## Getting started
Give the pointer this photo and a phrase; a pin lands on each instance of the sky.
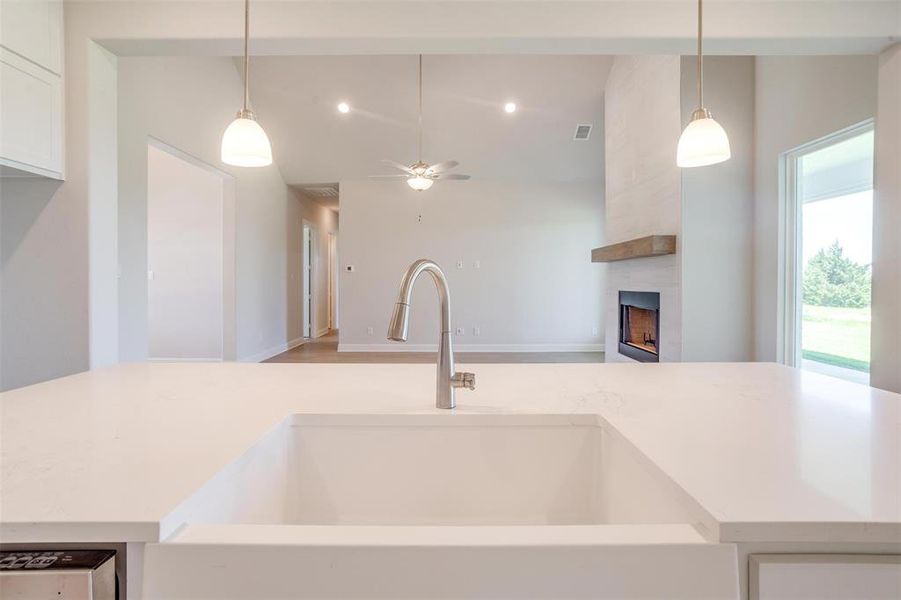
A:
(846, 218)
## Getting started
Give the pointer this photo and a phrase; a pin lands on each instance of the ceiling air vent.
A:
(582, 132)
(324, 191)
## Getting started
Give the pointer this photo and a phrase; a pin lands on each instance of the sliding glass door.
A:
(829, 244)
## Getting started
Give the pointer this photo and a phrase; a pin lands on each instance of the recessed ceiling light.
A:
(510, 107)
(344, 107)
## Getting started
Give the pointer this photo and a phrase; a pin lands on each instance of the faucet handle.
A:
(464, 380)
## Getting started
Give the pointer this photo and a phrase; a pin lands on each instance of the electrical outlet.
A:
(461, 331)
(476, 264)
(369, 331)
(594, 331)
(476, 331)
(459, 264)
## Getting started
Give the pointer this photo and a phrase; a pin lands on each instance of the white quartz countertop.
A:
(770, 453)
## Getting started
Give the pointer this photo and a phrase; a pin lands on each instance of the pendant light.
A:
(244, 143)
(704, 141)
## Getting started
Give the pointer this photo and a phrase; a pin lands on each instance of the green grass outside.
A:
(836, 336)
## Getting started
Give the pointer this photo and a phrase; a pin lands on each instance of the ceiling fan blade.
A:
(442, 166)
(456, 176)
(397, 165)
(389, 176)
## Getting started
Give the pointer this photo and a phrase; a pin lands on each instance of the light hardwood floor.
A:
(325, 350)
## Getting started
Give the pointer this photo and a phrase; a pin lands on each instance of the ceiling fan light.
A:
(420, 183)
(703, 142)
(245, 144)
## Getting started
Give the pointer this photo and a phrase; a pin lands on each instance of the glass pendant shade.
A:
(419, 183)
(703, 142)
(245, 144)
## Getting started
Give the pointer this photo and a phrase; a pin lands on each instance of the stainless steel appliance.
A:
(58, 575)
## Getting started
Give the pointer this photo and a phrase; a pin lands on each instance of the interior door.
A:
(307, 282)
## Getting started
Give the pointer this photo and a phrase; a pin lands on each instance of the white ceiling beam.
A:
(285, 27)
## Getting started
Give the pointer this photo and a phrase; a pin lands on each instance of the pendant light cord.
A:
(419, 158)
(246, 56)
(700, 55)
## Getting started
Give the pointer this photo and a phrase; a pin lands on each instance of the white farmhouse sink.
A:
(453, 469)
(400, 506)
(461, 470)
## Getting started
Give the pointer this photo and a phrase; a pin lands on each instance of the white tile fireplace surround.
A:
(642, 126)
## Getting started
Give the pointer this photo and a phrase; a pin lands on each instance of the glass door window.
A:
(833, 197)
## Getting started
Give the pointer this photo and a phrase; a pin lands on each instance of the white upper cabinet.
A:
(33, 29)
(31, 88)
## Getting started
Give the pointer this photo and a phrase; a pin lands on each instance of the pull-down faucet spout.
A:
(398, 329)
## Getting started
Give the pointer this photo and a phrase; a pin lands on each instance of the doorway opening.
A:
(829, 246)
(190, 258)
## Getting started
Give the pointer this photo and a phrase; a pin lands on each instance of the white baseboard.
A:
(472, 347)
(270, 352)
(183, 360)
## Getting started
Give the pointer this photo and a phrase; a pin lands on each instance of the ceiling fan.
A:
(420, 175)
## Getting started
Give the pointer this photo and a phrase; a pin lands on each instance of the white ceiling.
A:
(295, 98)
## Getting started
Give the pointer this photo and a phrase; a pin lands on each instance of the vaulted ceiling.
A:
(296, 100)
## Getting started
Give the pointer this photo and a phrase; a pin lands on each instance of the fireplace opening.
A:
(639, 325)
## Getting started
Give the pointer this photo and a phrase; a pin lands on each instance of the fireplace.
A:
(639, 325)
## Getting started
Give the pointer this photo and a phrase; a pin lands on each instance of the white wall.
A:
(185, 254)
(43, 325)
(536, 288)
(797, 100)
(187, 103)
(885, 366)
(103, 290)
(642, 123)
(717, 218)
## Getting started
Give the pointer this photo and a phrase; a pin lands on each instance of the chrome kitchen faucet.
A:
(448, 379)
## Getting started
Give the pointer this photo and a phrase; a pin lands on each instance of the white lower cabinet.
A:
(825, 577)
(31, 108)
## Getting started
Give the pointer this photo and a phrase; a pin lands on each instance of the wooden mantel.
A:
(652, 245)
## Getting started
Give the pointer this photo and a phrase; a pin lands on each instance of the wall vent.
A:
(582, 132)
